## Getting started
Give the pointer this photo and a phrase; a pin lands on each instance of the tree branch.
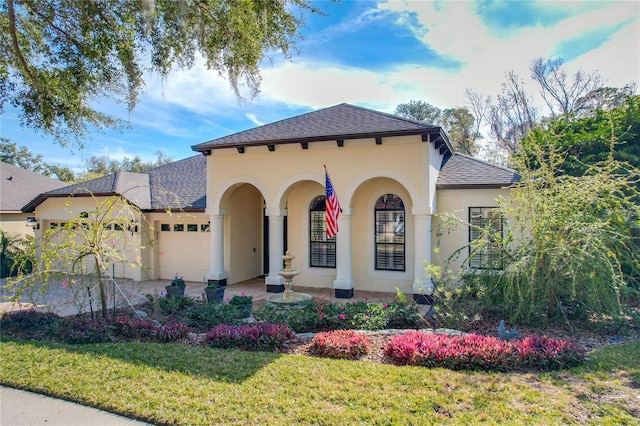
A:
(16, 45)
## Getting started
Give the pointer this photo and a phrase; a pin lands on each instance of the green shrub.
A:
(311, 316)
(30, 324)
(170, 305)
(302, 318)
(82, 330)
(207, 315)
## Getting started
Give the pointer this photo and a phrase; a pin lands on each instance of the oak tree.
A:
(62, 58)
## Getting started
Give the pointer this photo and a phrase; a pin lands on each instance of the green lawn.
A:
(174, 384)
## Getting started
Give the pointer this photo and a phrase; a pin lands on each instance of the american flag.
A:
(332, 207)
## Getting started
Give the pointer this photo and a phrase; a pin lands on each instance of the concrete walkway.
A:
(18, 408)
(65, 299)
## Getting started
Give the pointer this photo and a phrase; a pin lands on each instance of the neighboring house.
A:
(17, 187)
(264, 190)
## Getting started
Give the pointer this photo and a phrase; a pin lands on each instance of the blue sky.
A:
(373, 54)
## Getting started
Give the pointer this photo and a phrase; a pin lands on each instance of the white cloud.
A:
(254, 119)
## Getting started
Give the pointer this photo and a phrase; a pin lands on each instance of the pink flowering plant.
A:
(258, 336)
(241, 300)
(341, 344)
(178, 281)
(475, 352)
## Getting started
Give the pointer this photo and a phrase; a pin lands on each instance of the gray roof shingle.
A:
(178, 185)
(341, 121)
(19, 186)
(182, 183)
(461, 171)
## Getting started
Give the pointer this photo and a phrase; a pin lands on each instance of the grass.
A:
(174, 384)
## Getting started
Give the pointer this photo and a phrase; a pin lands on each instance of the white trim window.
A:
(322, 250)
(390, 233)
(484, 223)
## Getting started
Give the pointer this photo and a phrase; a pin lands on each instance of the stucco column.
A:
(217, 274)
(422, 286)
(343, 285)
(274, 282)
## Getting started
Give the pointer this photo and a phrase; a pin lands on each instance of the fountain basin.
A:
(288, 300)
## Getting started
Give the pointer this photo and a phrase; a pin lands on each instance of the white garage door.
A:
(183, 249)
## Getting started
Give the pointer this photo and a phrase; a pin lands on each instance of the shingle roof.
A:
(19, 186)
(186, 179)
(341, 121)
(181, 184)
(461, 171)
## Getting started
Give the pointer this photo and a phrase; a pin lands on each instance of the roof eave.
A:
(33, 204)
(475, 186)
(207, 147)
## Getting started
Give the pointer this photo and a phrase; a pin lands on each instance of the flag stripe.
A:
(332, 207)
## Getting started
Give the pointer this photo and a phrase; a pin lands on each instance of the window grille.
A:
(322, 250)
(390, 233)
(488, 255)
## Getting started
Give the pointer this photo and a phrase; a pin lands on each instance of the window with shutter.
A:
(488, 255)
(322, 250)
(390, 233)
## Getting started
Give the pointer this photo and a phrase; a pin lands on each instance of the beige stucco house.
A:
(251, 196)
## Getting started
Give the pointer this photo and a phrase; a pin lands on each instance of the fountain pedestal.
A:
(289, 298)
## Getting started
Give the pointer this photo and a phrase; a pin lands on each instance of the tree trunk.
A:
(103, 294)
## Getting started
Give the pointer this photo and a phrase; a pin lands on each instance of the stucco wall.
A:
(458, 202)
(15, 224)
(243, 230)
(60, 210)
(289, 178)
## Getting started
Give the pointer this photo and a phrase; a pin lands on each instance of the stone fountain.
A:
(289, 298)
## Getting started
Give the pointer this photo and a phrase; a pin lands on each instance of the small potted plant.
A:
(176, 288)
(244, 304)
(214, 293)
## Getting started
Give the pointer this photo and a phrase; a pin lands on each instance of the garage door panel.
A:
(185, 253)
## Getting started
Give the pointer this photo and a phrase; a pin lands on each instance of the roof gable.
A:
(341, 121)
(19, 186)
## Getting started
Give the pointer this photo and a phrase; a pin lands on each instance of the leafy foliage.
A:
(14, 254)
(169, 306)
(341, 344)
(312, 316)
(209, 315)
(83, 329)
(87, 243)
(459, 123)
(587, 141)
(259, 336)
(62, 56)
(570, 247)
(29, 323)
(151, 331)
(481, 352)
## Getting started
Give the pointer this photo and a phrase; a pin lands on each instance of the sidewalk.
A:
(18, 407)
